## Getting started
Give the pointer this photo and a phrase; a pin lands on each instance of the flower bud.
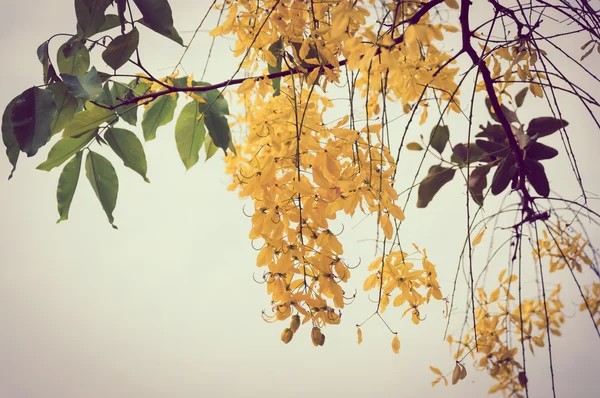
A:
(315, 335)
(295, 324)
(287, 335)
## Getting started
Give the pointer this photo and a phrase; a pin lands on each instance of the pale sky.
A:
(166, 306)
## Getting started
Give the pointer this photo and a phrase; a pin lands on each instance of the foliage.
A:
(303, 170)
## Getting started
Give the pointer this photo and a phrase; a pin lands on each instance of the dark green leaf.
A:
(139, 87)
(121, 48)
(121, 8)
(436, 178)
(75, 64)
(215, 103)
(103, 178)
(87, 86)
(218, 129)
(64, 149)
(88, 120)
(48, 69)
(66, 106)
(90, 16)
(67, 183)
(31, 118)
(492, 148)
(478, 182)
(543, 126)
(520, 97)
(493, 132)
(189, 134)
(129, 148)
(539, 151)
(209, 147)
(537, 177)
(503, 175)
(158, 17)
(159, 113)
(460, 154)
(9, 139)
(276, 49)
(111, 21)
(439, 138)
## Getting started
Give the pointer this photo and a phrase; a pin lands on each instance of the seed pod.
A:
(295, 323)
(315, 335)
(322, 340)
(287, 335)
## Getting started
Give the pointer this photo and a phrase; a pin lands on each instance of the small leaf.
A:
(67, 183)
(461, 153)
(396, 344)
(160, 112)
(87, 86)
(66, 106)
(520, 97)
(121, 48)
(477, 239)
(543, 126)
(129, 148)
(511, 116)
(503, 175)
(539, 151)
(158, 17)
(75, 64)
(493, 132)
(439, 138)
(414, 146)
(522, 379)
(88, 120)
(189, 134)
(47, 68)
(492, 148)
(537, 177)
(64, 149)
(31, 117)
(456, 374)
(436, 371)
(103, 179)
(9, 139)
(359, 335)
(436, 178)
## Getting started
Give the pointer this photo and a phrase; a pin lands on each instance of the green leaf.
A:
(537, 177)
(75, 64)
(414, 146)
(111, 21)
(129, 148)
(160, 112)
(439, 138)
(64, 149)
(539, 151)
(218, 129)
(209, 147)
(520, 97)
(87, 86)
(215, 102)
(31, 118)
(120, 93)
(66, 106)
(158, 17)
(436, 178)
(478, 182)
(90, 16)
(121, 48)
(543, 126)
(9, 139)
(503, 175)
(103, 179)
(88, 120)
(189, 134)
(48, 69)
(276, 49)
(67, 183)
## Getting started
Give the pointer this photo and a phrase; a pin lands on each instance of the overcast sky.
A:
(167, 307)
